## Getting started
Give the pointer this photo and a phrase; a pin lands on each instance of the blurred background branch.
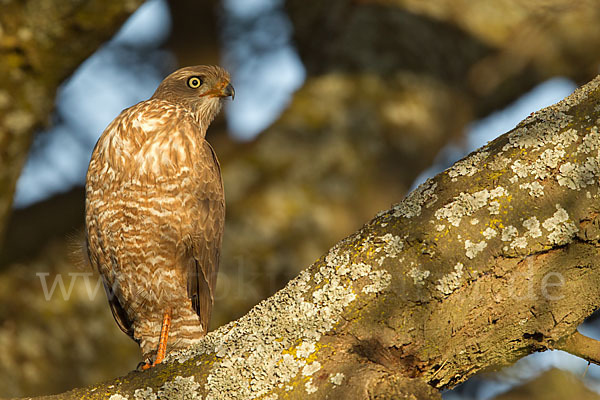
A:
(41, 44)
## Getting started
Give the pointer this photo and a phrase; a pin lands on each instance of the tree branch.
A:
(581, 346)
(491, 260)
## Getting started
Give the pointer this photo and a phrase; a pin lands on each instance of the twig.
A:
(581, 346)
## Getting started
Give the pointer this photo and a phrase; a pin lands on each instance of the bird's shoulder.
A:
(154, 140)
(151, 116)
(148, 133)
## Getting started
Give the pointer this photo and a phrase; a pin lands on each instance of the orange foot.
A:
(162, 344)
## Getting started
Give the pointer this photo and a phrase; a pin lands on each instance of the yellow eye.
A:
(194, 82)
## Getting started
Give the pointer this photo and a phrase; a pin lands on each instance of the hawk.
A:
(155, 211)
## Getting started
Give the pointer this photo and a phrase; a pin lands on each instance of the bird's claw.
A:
(144, 365)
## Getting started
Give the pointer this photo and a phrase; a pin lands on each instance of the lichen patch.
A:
(529, 135)
(393, 244)
(145, 394)
(535, 189)
(533, 227)
(472, 249)
(180, 388)
(590, 142)
(337, 379)
(494, 208)
(411, 206)
(499, 162)
(468, 166)
(560, 227)
(380, 279)
(418, 275)
(542, 167)
(519, 169)
(466, 204)
(509, 233)
(305, 349)
(450, 282)
(489, 233)
(578, 176)
(520, 242)
(310, 387)
(356, 271)
(311, 368)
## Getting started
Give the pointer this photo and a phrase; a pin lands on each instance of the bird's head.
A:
(200, 89)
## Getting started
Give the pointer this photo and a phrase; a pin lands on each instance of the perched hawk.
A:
(155, 211)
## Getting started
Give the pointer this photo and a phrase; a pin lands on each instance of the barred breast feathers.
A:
(154, 139)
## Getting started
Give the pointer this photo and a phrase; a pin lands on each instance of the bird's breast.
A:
(164, 155)
(150, 140)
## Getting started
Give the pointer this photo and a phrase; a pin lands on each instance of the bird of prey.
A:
(155, 211)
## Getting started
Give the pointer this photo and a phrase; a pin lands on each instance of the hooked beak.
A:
(223, 90)
(228, 91)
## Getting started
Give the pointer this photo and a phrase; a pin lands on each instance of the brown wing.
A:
(117, 310)
(203, 263)
(91, 233)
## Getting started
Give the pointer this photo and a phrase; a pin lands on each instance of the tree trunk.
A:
(41, 44)
(489, 261)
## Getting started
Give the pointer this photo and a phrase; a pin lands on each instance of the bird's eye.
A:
(194, 82)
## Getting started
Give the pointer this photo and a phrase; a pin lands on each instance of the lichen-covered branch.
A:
(491, 260)
(41, 43)
(389, 84)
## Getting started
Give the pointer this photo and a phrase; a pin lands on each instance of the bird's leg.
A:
(164, 335)
(162, 343)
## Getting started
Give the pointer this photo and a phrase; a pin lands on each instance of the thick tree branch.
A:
(389, 84)
(491, 260)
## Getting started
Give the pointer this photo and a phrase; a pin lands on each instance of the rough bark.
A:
(41, 44)
(491, 260)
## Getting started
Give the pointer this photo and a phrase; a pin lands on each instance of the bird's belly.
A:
(139, 231)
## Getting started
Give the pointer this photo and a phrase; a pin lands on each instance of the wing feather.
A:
(118, 311)
(203, 263)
